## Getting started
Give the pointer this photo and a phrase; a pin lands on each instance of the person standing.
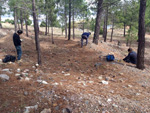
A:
(85, 36)
(17, 44)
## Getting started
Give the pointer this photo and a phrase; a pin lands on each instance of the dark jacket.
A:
(85, 35)
(16, 39)
(131, 58)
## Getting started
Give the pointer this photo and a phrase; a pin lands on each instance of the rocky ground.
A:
(71, 79)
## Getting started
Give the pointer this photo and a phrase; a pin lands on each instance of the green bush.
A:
(101, 31)
(29, 22)
(43, 24)
(9, 21)
(132, 35)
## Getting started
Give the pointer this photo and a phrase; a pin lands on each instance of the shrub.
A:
(43, 24)
(101, 31)
(9, 21)
(29, 22)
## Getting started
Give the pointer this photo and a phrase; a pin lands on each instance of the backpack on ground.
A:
(110, 58)
(9, 58)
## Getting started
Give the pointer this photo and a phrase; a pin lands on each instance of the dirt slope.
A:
(71, 79)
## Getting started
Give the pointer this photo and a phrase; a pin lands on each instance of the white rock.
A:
(114, 105)
(109, 100)
(17, 74)
(55, 83)
(68, 74)
(27, 79)
(33, 66)
(62, 72)
(4, 77)
(7, 70)
(25, 74)
(100, 77)
(9, 62)
(42, 81)
(137, 94)
(83, 82)
(36, 65)
(26, 70)
(46, 111)
(130, 86)
(29, 108)
(105, 111)
(104, 82)
(18, 70)
(91, 82)
(82, 74)
(36, 70)
(61, 83)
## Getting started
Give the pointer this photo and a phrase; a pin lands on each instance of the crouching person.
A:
(85, 36)
(132, 57)
(17, 44)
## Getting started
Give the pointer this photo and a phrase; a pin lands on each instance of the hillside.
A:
(71, 78)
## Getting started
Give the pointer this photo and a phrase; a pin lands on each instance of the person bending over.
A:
(85, 36)
(132, 57)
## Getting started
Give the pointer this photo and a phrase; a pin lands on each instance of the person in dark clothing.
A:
(17, 43)
(132, 57)
(85, 36)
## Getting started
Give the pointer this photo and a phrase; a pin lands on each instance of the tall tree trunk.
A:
(83, 26)
(21, 20)
(69, 29)
(18, 23)
(26, 26)
(106, 20)
(65, 20)
(104, 26)
(112, 28)
(0, 22)
(141, 35)
(127, 43)
(18, 19)
(0, 18)
(73, 23)
(52, 35)
(36, 33)
(15, 19)
(37, 18)
(46, 24)
(124, 34)
(97, 25)
(124, 23)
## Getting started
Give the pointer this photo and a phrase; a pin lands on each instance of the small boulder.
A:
(42, 81)
(104, 82)
(46, 111)
(68, 74)
(18, 70)
(30, 108)
(6, 70)
(4, 77)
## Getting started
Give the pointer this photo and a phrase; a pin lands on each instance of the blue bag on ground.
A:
(110, 58)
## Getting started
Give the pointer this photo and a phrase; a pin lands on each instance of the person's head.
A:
(19, 32)
(130, 50)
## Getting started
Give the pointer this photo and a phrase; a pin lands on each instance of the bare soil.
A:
(75, 78)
